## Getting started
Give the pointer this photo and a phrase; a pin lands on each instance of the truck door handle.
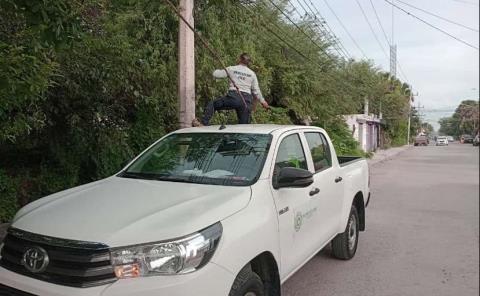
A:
(314, 191)
(338, 179)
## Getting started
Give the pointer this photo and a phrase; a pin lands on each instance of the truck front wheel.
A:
(344, 245)
(247, 283)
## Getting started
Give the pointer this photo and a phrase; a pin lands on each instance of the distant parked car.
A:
(421, 141)
(476, 140)
(441, 141)
(466, 139)
(450, 139)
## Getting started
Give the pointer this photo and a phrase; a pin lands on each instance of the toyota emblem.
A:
(35, 259)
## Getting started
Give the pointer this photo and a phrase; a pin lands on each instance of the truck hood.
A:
(120, 211)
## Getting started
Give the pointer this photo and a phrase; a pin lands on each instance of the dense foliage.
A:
(465, 120)
(85, 85)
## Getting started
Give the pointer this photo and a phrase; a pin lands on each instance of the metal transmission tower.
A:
(393, 60)
(393, 48)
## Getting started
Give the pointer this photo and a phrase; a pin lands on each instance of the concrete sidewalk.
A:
(387, 154)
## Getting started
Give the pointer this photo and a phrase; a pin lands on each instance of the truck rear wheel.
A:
(344, 245)
(247, 283)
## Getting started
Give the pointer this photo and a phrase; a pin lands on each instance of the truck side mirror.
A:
(293, 177)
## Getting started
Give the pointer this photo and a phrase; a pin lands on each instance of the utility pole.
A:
(186, 65)
(408, 125)
(410, 115)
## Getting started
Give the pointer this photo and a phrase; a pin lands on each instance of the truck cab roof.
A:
(245, 128)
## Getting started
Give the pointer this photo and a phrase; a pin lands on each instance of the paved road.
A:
(422, 233)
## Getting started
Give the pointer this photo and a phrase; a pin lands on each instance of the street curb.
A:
(386, 155)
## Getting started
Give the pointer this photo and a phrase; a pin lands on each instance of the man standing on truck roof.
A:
(246, 81)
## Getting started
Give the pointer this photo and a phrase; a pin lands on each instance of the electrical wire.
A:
(345, 29)
(324, 24)
(207, 45)
(256, 15)
(342, 51)
(323, 30)
(269, 29)
(296, 25)
(371, 29)
(387, 39)
(432, 26)
(403, 73)
(438, 16)
(380, 23)
(332, 33)
(288, 43)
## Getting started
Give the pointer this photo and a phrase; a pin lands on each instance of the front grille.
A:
(9, 291)
(71, 263)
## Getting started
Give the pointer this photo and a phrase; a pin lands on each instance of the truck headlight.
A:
(165, 258)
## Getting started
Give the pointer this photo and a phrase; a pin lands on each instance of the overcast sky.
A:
(442, 70)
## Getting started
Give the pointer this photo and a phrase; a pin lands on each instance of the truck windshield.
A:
(231, 159)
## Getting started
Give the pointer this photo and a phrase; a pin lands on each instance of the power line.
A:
(393, 24)
(380, 23)
(371, 29)
(342, 51)
(346, 30)
(438, 16)
(335, 43)
(324, 22)
(207, 46)
(403, 73)
(255, 13)
(296, 26)
(430, 25)
(278, 36)
(378, 41)
(326, 32)
(387, 39)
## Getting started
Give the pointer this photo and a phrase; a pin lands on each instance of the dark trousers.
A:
(231, 101)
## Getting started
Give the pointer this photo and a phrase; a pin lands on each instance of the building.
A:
(366, 129)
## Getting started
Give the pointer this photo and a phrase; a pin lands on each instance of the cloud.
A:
(441, 69)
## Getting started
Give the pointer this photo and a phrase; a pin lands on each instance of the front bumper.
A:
(211, 280)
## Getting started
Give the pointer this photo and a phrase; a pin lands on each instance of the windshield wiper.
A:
(134, 175)
(172, 179)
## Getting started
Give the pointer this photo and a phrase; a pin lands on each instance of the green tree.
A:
(465, 120)
(86, 85)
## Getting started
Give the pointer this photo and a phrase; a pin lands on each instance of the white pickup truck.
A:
(204, 211)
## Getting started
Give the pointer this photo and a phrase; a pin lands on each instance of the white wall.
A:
(356, 122)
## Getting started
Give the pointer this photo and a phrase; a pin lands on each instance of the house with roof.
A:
(367, 129)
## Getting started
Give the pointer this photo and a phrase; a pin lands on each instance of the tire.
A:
(247, 283)
(344, 245)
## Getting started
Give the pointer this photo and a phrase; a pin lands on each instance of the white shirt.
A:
(244, 78)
